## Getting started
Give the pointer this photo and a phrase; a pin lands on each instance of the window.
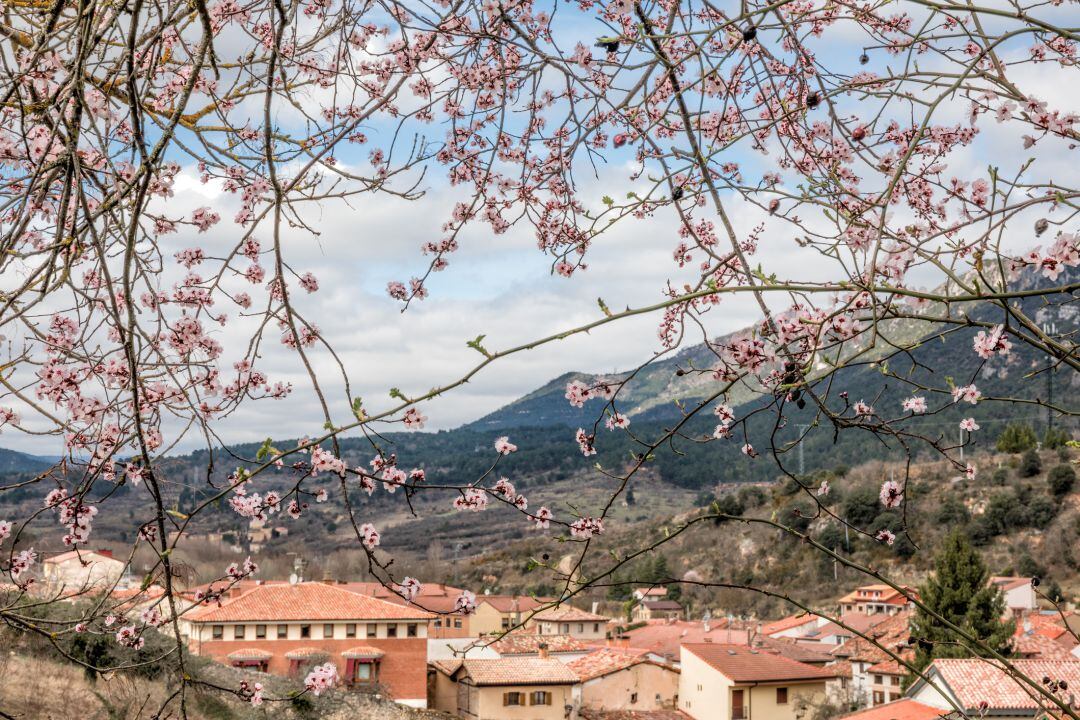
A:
(372, 630)
(565, 628)
(512, 698)
(893, 697)
(260, 632)
(238, 631)
(540, 697)
(410, 630)
(894, 680)
(438, 622)
(457, 622)
(781, 696)
(506, 623)
(391, 630)
(633, 698)
(282, 632)
(877, 680)
(580, 628)
(328, 630)
(738, 712)
(879, 697)
(596, 627)
(350, 630)
(305, 631)
(217, 632)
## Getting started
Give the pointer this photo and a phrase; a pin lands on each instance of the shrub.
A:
(1054, 439)
(1030, 464)
(1000, 477)
(1041, 511)
(952, 511)
(861, 506)
(1016, 437)
(1061, 480)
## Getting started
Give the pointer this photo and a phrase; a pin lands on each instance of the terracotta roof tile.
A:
(514, 603)
(305, 601)
(608, 660)
(517, 671)
(250, 654)
(1007, 582)
(591, 714)
(363, 651)
(787, 623)
(905, 709)
(973, 681)
(742, 664)
(661, 604)
(892, 633)
(527, 643)
(567, 613)
(1034, 646)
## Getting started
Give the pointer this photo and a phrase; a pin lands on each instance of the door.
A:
(738, 712)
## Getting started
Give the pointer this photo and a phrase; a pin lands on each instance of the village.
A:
(517, 656)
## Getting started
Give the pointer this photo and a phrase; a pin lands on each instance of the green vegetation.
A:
(958, 592)
(1016, 438)
(1061, 480)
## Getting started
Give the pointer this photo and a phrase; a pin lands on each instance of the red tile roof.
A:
(250, 654)
(1006, 582)
(892, 633)
(362, 651)
(516, 671)
(527, 643)
(513, 603)
(1040, 647)
(661, 604)
(304, 601)
(792, 621)
(83, 556)
(566, 613)
(605, 661)
(906, 709)
(591, 714)
(884, 594)
(973, 681)
(742, 664)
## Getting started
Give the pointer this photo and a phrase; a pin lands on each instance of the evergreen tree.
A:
(959, 591)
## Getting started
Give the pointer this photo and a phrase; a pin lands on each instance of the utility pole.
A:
(802, 441)
(1049, 328)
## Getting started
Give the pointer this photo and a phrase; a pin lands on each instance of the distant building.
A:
(982, 688)
(799, 625)
(649, 593)
(1019, 593)
(285, 628)
(499, 613)
(81, 572)
(871, 675)
(736, 682)
(526, 644)
(568, 620)
(624, 679)
(503, 689)
(438, 599)
(872, 599)
(903, 709)
(646, 610)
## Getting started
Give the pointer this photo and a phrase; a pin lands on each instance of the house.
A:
(502, 689)
(720, 681)
(873, 676)
(499, 613)
(649, 593)
(81, 571)
(846, 627)
(624, 679)
(1019, 594)
(903, 709)
(983, 688)
(798, 625)
(567, 620)
(871, 599)
(662, 640)
(283, 628)
(646, 610)
(436, 598)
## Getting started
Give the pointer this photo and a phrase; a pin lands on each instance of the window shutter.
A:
(547, 698)
(506, 699)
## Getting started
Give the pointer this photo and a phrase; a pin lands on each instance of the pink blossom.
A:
(465, 603)
(321, 678)
(891, 494)
(414, 420)
(969, 424)
(915, 405)
(987, 344)
(369, 536)
(885, 536)
(542, 518)
(409, 588)
(503, 446)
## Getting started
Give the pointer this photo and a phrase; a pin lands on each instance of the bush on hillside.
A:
(1030, 464)
(1054, 439)
(1061, 480)
(1000, 476)
(1016, 438)
(861, 506)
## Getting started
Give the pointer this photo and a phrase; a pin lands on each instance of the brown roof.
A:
(880, 594)
(305, 601)
(1033, 646)
(448, 666)
(1007, 582)
(787, 623)
(892, 633)
(906, 709)
(567, 613)
(605, 661)
(742, 664)
(514, 603)
(974, 680)
(434, 597)
(526, 643)
(661, 604)
(516, 671)
(84, 556)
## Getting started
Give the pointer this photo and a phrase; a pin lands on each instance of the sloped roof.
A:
(885, 594)
(605, 661)
(513, 603)
(1009, 582)
(1040, 647)
(661, 604)
(905, 709)
(83, 556)
(742, 664)
(250, 654)
(787, 623)
(516, 671)
(305, 601)
(527, 643)
(567, 613)
(891, 633)
(974, 681)
(363, 651)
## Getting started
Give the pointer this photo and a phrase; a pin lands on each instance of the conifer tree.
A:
(959, 591)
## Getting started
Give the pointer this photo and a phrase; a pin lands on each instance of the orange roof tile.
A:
(526, 643)
(880, 593)
(363, 651)
(250, 654)
(1007, 582)
(905, 709)
(974, 681)
(517, 671)
(605, 661)
(742, 664)
(1033, 646)
(567, 613)
(787, 623)
(305, 601)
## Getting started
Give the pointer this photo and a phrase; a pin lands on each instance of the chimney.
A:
(542, 648)
(106, 553)
(327, 578)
